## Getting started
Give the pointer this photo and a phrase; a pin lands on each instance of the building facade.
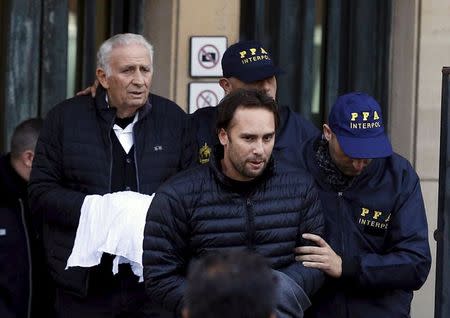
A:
(394, 50)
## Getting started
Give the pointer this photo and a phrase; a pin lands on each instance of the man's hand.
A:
(321, 256)
(90, 89)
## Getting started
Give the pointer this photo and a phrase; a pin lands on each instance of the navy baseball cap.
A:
(248, 61)
(356, 120)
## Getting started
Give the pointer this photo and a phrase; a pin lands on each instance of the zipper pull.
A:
(340, 194)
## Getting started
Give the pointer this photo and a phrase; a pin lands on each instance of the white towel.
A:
(112, 223)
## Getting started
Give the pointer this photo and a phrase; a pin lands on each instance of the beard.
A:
(251, 167)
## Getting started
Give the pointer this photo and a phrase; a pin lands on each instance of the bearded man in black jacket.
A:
(242, 200)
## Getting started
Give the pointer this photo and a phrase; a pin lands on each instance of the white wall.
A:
(433, 52)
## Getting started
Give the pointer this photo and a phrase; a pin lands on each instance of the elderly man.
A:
(374, 214)
(248, 64)
(241, 200)
(124, 139)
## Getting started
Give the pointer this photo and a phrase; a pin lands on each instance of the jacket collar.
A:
(12, 186)
(309, 157)
(108, 113)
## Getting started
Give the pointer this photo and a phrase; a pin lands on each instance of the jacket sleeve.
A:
(49, 199)
(309, 279)
(165, 251)
(406, 261)
(194, 129)
(189, 151)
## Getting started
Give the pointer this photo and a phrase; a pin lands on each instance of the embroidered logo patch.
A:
(374, 222)
(204, 153)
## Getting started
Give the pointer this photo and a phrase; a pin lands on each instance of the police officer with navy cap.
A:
(248, 64)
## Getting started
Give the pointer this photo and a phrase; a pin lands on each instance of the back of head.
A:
(246, 98)
(248, 61)
(230, 285)
(117, 40)
(25, 136)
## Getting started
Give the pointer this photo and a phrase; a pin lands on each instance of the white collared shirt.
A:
(125, 135)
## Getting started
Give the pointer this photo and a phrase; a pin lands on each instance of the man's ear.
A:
(327, 133)
(223, 137)
(185, 313)
(226, 85)
(101, 77)
(27, 158)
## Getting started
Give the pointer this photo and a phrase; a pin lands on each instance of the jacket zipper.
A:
(135, 160)
(250, 224)
(344, 309)
(341, 226)
(30, 268)
(110, 153)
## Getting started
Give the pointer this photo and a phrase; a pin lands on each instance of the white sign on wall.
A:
(203, 94)
(206, 54)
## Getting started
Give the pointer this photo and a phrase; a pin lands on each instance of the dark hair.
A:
(230, 284)
(25, 136)
(246, 98)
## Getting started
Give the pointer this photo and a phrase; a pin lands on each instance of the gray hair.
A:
(121, 40)
(25, 136)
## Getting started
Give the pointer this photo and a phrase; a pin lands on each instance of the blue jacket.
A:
(202, 210)
(74, 159)
(292, 131)
(379, 228)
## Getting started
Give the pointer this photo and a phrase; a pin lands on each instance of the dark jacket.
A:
(379, 228)
(74, 158)
(25, 289)
(201, 210)
(292, 130)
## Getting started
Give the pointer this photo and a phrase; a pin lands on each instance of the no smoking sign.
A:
(204, 95)
(206, 54)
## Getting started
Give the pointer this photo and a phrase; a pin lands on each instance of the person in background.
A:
(124, 139)
(377, 252)
(248, 64)
(244, 200)
(25, 286)
(234, 284)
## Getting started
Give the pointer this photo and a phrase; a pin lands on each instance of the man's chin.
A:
(137, 102)
(353, 173)
(253, 173)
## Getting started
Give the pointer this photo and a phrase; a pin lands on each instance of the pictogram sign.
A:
(206, 54)
(204, 95)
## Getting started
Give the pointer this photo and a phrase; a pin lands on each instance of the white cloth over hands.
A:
(113, 223)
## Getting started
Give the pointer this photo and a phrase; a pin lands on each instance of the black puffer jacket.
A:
(201, 210)
(74, 158)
